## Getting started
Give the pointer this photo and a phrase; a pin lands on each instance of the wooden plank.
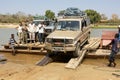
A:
(25, 51)
(74, 62)
(25, 46)
(94, 44)
(44, 61)
(116, 74)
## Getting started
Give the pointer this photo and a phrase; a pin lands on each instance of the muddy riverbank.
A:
(22, 67)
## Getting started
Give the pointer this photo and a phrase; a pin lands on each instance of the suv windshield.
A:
(49, 24)
(37, 22)
(69, 25)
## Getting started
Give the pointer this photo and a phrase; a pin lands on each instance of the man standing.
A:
(114, 50)
(31, 29)
(119, 37)
(41, 32)
(19, 33)
(25, 33)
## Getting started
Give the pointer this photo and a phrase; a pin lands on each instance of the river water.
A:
(5, 34)
(98, 32)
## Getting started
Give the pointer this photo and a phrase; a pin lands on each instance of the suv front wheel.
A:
(76, 53)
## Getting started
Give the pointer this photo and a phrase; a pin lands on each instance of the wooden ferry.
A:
(36, 48)
(90, 50)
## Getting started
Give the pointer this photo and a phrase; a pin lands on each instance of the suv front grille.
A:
(60, 42)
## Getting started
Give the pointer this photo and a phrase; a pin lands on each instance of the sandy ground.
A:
(7, 25)
(22, 67)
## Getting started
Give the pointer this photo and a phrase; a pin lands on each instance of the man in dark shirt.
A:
(114, 50)
(119, 37)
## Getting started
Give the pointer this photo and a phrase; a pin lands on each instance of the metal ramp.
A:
(44, 61)
(74, 62)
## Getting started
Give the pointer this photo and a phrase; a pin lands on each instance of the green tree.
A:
(49, 14)
(60, 13)
(93, 15)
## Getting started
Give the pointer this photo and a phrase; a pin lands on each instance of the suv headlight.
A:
(69, 41)
(49, 40)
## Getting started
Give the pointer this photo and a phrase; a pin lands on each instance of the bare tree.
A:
(114, 17)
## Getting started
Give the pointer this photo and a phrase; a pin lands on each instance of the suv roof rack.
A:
(74, 16)
(73, 13)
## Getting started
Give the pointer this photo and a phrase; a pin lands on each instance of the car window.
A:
(69, 25)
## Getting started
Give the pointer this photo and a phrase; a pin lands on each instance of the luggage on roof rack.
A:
(74, 12)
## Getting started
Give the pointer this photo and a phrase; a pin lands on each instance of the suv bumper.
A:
(60, 49)
(63, 49)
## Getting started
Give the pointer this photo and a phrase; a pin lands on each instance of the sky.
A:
(107, 7)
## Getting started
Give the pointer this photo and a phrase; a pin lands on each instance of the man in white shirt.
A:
(41, 31)
(31, 29)
(19, 33)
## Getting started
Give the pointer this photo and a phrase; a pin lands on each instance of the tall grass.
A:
(104, 26)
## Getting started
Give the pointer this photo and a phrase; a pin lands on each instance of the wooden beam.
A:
(74, 62)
